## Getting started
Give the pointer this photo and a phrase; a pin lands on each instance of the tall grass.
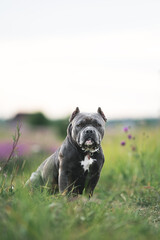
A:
(125, 205)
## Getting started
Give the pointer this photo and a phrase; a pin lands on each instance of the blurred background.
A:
(56, 55)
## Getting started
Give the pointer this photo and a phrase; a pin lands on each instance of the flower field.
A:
(126, 201)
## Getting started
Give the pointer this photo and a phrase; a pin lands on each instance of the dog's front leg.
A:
(66, 184)
(91, 185)
(63, 181)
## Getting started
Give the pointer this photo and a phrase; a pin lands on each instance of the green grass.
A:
(125, 205)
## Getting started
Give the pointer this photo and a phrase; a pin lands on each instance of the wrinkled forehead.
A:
(88, 117)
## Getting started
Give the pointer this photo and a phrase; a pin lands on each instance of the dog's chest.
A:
(87, 162)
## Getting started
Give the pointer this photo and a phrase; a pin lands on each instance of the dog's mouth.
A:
(89, 142)
(90, 145)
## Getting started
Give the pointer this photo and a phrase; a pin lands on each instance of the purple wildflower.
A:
(22, 149)
(6, 148)
(123, 143)
(125, 129)
(129, 136)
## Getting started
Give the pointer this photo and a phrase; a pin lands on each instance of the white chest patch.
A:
(87, 162)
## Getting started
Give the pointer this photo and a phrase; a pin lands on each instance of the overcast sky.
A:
(56, 55)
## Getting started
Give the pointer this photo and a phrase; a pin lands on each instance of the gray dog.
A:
(77, 164)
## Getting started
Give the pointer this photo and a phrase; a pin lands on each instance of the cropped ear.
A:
(102, 114)
(74, 114)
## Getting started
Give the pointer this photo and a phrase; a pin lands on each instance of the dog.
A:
(77, 164)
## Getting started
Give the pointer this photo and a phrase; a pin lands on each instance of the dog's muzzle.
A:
(89, 139)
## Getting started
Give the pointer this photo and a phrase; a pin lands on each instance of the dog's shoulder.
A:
(69, 151)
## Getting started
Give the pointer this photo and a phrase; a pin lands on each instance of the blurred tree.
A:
(38, 119)
(60, 125)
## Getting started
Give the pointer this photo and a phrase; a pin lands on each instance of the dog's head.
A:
(87, 129)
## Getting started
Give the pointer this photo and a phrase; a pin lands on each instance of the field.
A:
(125, 205)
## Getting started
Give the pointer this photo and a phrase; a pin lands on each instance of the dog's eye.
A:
(98, 124)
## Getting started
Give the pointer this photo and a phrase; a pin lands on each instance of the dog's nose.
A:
(90, 131)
